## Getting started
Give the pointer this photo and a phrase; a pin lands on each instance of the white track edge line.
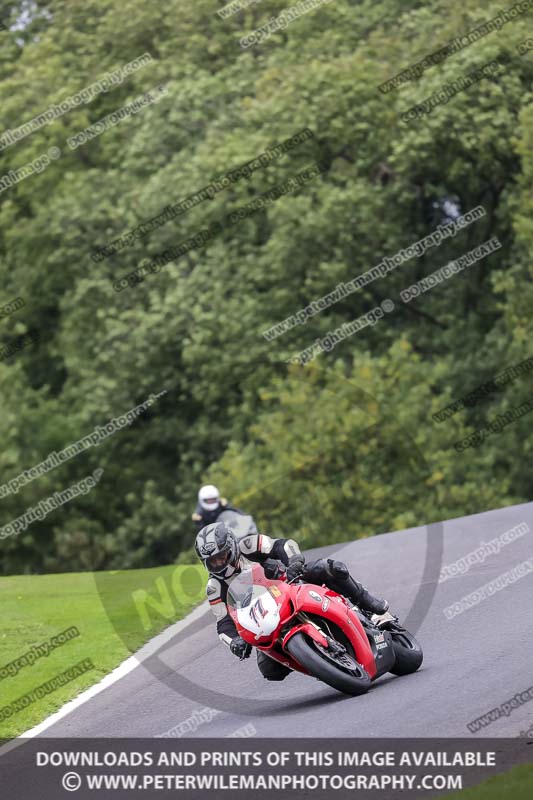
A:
(123, 669)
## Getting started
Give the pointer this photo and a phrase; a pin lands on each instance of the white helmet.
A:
(209, 497)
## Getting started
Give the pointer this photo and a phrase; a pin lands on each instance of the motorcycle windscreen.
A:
(255, 607)
(240, 524)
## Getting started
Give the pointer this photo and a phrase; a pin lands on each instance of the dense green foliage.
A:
(341, 448)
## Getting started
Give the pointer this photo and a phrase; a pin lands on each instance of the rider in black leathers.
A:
(224, 557)
(210, 505)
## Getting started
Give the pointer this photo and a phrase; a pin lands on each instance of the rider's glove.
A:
(273, 569)
(296, 567)
(240, 648)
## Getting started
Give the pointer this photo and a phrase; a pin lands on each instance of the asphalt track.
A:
(472, 663)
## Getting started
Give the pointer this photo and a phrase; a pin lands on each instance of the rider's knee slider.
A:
(338, 569)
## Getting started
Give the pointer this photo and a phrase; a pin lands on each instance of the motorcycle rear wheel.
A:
(305, 651)
(408, 652)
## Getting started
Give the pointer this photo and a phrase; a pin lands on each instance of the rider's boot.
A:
(362, 598)
(355, 591)
(380, 619)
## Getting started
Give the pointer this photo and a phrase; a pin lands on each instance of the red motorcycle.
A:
(313, 630)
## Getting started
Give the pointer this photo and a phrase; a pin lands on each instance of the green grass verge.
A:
(114, 612)
(516, 784)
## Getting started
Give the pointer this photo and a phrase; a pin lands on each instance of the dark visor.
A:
(219, 560)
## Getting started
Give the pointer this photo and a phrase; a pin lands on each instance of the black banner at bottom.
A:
(314, 769)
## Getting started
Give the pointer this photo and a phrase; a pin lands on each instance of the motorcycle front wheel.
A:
(340, 672)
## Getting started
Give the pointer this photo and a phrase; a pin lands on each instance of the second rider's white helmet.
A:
(209, 497)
